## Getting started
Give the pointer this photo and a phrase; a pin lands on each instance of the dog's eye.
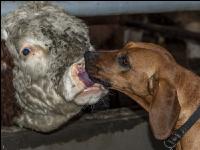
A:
(26, 51)
(123, 61)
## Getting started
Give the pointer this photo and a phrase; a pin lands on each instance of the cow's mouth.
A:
(83, 76)
(82, 80)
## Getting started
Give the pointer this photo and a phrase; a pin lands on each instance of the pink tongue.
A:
(83, 76)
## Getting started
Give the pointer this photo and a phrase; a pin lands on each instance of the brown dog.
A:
(150, 75)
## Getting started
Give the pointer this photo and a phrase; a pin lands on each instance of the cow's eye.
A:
(123, 61)
(26, 51)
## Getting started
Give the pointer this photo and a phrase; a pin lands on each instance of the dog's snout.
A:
(90, 61)
(90, 55)
(87, 54)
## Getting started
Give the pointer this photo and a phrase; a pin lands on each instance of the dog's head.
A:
(145, 72)
(47, 46)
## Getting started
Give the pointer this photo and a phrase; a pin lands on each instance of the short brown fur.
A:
(169, 92)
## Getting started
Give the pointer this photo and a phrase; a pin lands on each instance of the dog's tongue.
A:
(83, 76)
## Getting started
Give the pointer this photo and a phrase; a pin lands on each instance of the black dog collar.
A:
(175, 137)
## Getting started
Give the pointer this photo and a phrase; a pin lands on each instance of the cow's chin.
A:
(90, 95)
(79, 88)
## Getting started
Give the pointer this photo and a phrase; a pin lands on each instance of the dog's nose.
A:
(89, 55)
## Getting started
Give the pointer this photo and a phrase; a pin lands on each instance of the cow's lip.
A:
(95, 88)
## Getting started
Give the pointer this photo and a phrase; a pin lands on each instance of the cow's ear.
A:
(4, 34)
(5, 37)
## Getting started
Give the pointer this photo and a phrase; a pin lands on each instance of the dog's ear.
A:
(164, 110)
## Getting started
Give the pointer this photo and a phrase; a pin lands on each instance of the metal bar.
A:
(102, 8)
(88, 126)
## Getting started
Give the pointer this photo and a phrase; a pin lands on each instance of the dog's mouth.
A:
(105, 83)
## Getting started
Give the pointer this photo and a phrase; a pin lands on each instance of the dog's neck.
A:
(189, 99)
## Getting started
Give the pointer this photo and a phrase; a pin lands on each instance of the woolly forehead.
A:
(44, 25)
(32, 31)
